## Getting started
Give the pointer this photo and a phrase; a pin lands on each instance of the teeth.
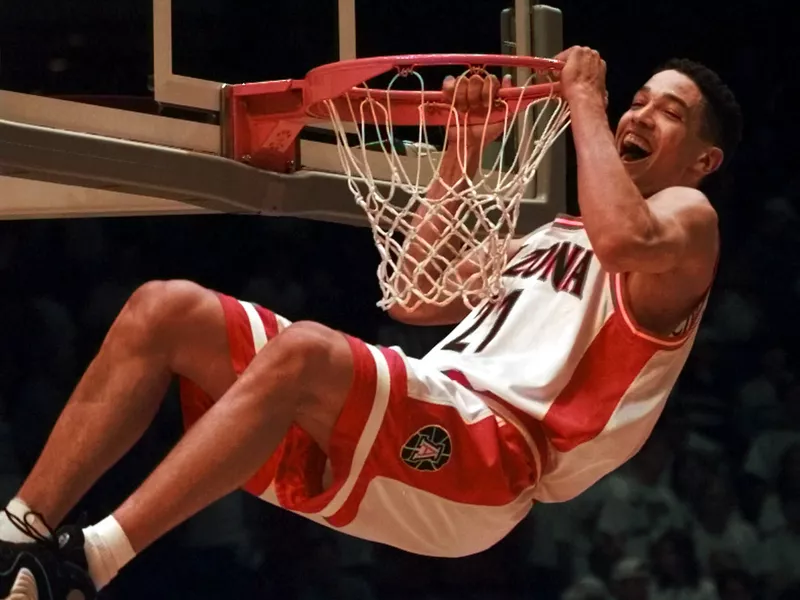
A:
(632, 138)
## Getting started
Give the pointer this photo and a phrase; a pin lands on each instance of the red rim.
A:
(337, 81)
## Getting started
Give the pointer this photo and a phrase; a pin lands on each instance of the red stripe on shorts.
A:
(489, 465)
(298, 482)
(195, 402)
(240, 334)
(261, 479)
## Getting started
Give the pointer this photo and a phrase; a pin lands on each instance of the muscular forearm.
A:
(612, 207)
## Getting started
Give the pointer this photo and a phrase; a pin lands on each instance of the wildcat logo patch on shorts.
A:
(428, 449)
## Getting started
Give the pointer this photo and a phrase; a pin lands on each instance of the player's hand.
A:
(584, 74)
(472, 97)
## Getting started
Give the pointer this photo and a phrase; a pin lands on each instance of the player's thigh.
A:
(219, 338)
(184, 325)
(202, 349)
(308, 369)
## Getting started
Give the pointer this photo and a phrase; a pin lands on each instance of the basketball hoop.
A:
(484, 222)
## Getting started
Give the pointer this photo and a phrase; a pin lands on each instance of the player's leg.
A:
(302, 376)
(304, 352)
(165, 328)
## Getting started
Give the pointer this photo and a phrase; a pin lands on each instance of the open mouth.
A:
(633, 149)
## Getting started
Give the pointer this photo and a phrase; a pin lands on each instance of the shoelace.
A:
(25, 525)
(50, 541)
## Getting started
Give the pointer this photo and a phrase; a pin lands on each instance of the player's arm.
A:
(456, 309)
(629, 233)
(474, 93)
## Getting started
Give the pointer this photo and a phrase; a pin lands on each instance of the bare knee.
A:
(312, 359)
(156, 309)
(316, 362)
(305, 349)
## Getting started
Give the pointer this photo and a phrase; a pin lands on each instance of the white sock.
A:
(107, 550)
(10, 532)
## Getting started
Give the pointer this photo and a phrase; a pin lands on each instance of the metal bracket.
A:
(260, 123)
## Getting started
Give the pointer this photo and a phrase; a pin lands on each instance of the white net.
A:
(442, 227)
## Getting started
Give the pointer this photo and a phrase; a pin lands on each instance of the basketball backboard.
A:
(164, 153)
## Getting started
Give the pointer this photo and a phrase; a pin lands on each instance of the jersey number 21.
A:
(476, 337)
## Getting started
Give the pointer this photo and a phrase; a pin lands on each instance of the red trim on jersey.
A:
(526, 238)
(568, 222)
(607, 369)
(621, 299)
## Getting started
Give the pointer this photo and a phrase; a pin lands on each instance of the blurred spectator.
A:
(763, 459)
(723, 539)
(702, 394)
(580, 521)
(630, 580)
(787, 485)
(676, 571)
(549, 547)
(640, 506)
(690, 471)
(776, 236)
(736, 312)
(735, 585)
(780, 557)
(588, 588)
(759, 398)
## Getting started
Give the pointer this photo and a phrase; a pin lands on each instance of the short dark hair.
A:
(722, 123)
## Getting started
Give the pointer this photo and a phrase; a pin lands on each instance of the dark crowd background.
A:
(709, 509)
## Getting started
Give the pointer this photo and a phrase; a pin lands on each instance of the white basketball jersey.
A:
(561, 351)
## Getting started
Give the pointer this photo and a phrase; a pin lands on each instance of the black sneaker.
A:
(48, 568)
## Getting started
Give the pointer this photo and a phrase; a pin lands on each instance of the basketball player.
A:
(532, 398)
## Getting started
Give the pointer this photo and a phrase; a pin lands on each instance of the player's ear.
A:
(709, 160)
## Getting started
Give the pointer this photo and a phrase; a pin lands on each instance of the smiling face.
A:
(660, 137)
